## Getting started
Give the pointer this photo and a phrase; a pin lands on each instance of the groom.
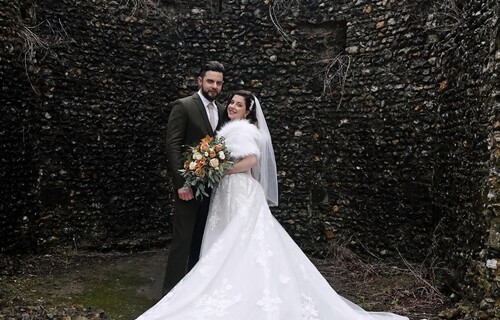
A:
(191, 119)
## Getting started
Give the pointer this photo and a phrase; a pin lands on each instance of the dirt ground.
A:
(82, 285)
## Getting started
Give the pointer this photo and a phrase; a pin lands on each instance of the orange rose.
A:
(199, 172)
(218, 147)
(202, 162)
(204, 147)
(212, 154)
(206, 140)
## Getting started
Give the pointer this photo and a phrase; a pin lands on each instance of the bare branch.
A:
(32, 42)
(420, 278)
(447, 16)
(336, 74)
(274, 20)
(279, 8)
(149, 7)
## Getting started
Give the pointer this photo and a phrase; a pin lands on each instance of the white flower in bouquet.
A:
(192, 165)
(214, 163)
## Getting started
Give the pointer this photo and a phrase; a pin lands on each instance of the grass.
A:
(121, 286)
(116, 294)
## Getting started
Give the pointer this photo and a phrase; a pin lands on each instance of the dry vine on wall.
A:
(338, 68)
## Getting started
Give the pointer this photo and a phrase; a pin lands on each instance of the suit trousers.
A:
(188, 227)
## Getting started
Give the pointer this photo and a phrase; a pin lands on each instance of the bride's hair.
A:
(249, 104)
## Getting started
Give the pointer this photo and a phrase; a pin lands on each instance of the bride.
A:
(249, 267)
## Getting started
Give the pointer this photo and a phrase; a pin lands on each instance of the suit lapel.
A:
(220, 108)
(203, 113)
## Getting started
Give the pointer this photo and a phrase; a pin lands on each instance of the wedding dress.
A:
(250, 268)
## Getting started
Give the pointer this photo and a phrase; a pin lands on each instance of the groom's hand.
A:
(185, 194)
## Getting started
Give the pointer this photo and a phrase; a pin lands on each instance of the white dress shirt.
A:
(205, 103)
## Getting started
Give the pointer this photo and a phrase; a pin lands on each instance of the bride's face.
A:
(237, 110)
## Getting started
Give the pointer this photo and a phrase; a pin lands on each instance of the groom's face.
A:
(211, 84)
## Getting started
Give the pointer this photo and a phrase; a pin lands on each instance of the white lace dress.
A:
(250, 268)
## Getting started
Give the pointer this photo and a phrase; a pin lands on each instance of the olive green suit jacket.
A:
(187, 125)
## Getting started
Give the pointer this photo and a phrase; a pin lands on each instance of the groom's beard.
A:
(207, 95)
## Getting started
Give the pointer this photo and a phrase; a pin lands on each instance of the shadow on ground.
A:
(121, 286)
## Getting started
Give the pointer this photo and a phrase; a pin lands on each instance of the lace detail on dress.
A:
(212, 222)
(309, 311)
(269, 304)
(217, 303)
(304, 272)
(284, 279)
(205, 267)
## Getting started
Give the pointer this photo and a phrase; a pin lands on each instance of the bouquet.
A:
(205, 164)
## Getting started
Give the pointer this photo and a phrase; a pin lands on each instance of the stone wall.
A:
(382, 114)
(465, 54)
(376, 143)
(98, 112)
(18, 173)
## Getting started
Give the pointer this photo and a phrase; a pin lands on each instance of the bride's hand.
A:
(242, 165)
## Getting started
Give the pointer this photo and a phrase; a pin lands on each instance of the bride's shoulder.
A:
(239, 126)
(242, 138)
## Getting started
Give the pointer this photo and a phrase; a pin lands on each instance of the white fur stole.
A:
(242, 138)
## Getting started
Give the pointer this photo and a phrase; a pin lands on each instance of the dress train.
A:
(251, 269)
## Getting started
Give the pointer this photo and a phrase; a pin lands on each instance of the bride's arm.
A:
(243, 165)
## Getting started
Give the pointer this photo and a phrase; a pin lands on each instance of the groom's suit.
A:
(187, 125)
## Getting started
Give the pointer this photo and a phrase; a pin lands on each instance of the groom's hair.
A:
(212, 66)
